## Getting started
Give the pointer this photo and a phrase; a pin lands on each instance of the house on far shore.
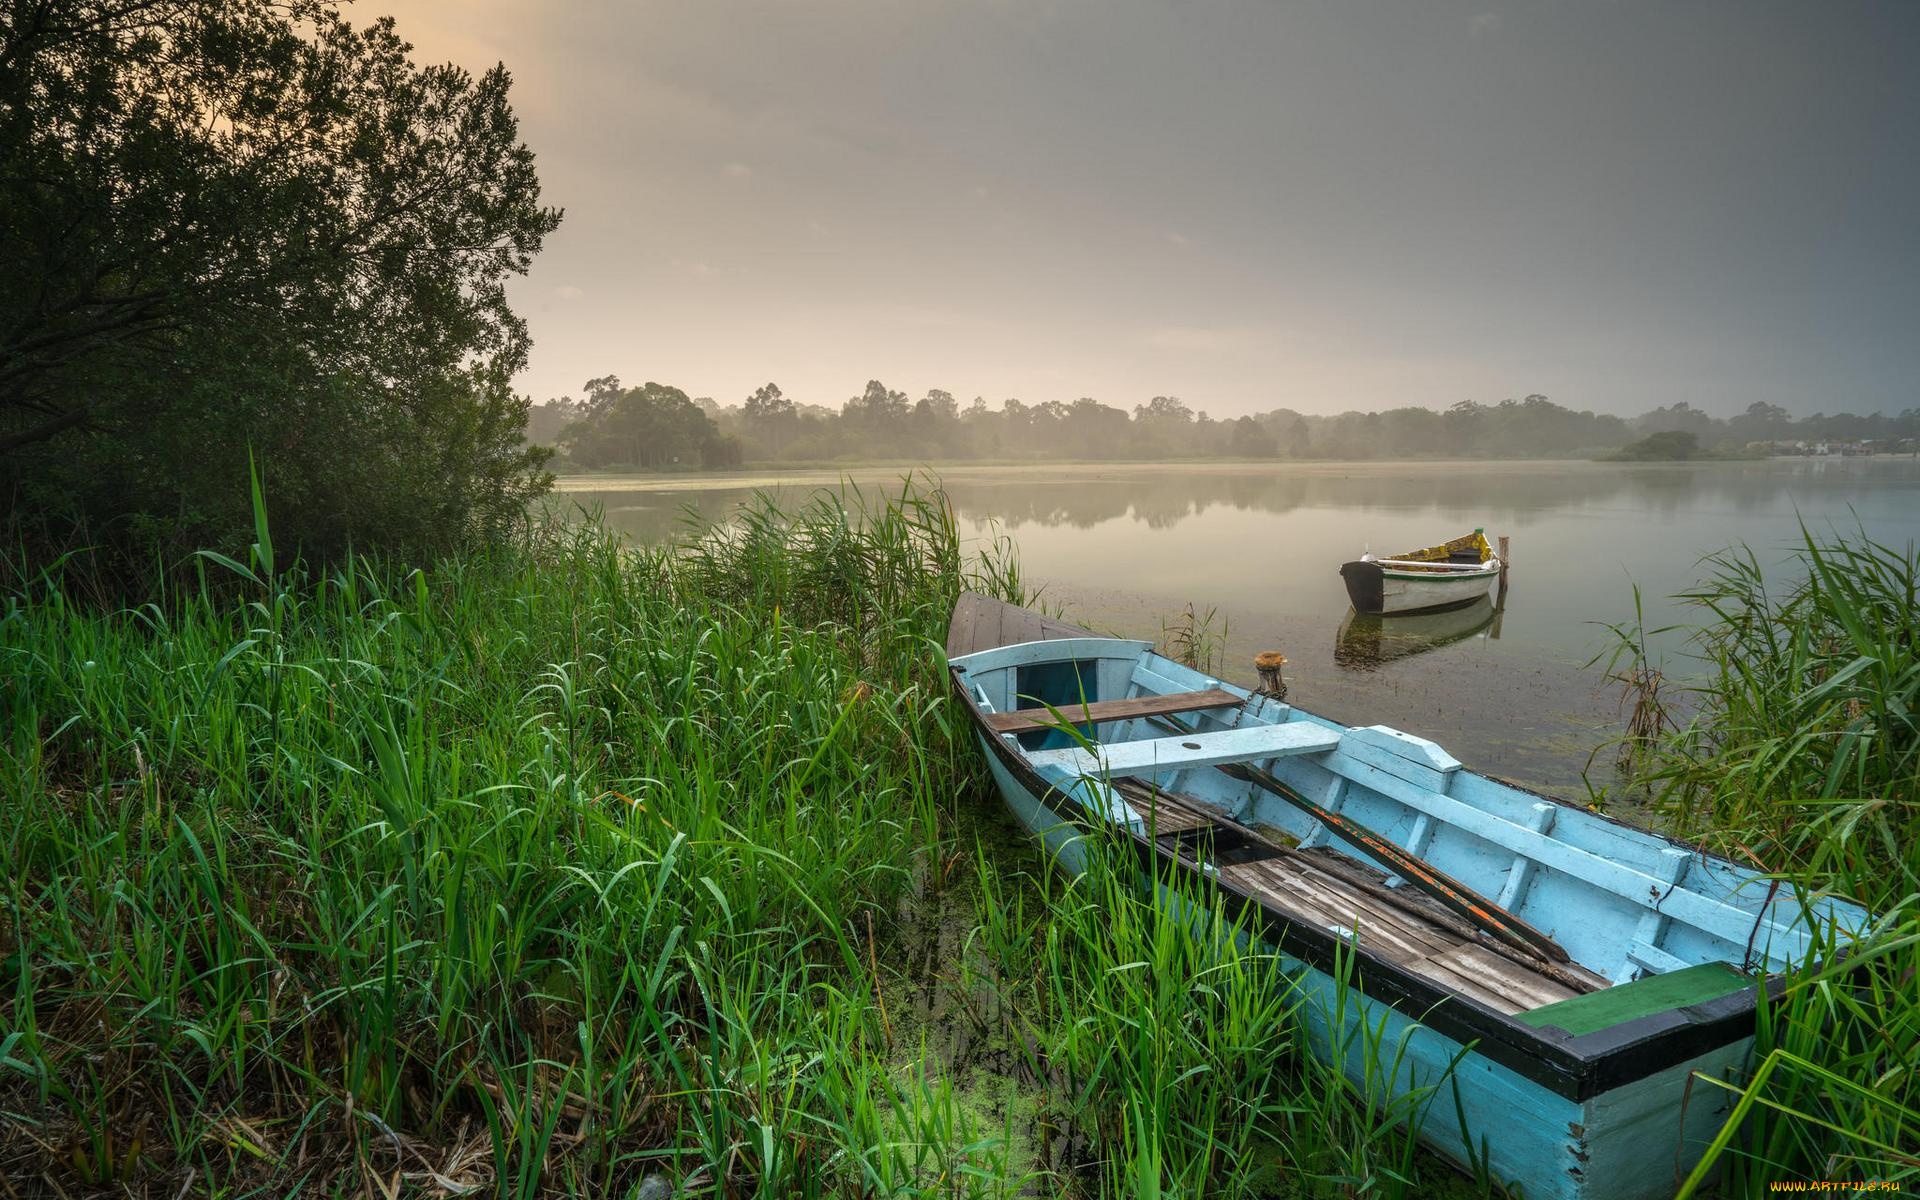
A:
(1864, 448)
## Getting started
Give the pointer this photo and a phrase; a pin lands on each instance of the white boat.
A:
(1450, 575)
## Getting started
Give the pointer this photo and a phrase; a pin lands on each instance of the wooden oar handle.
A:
(1484, 913)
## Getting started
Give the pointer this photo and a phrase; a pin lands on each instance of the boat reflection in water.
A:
(1368, 640)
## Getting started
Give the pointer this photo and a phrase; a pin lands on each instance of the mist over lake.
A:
(1124, 548)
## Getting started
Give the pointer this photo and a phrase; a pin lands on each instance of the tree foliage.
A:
(244, 223)
(880, 423)
(652, 427)
(1669, 445)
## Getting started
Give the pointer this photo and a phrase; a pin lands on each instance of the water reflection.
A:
(1163, 498)
(1368, 641)
(1501, 492)
(1123, 548)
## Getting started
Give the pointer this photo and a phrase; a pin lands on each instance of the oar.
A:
(1483, 913)
(1457, 897)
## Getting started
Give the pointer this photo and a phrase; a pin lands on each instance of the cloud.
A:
(1200, 339)
(1401, 197)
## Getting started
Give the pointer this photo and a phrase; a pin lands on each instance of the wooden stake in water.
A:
(1268, 663)
(1505, 562)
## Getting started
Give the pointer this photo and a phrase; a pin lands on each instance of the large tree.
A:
(651, 427)
(245, 223)
(770, 416)
(878, 409)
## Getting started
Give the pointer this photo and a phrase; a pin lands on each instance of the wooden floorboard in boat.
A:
(983, 623)
(1165, 812)
(1294, 885)
(1310, 888)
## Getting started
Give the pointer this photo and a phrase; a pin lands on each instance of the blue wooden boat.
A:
(1571, 970)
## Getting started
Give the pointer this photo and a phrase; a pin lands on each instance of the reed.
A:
(1643, 699)
(578, 870)
(537, 873)
(1802, 755)
(1194, 638)
(1175, 1053)
(584, 869)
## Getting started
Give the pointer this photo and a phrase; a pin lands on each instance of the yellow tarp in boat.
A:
(1467, 548)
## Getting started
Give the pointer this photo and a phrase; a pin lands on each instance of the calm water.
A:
(1125, 548)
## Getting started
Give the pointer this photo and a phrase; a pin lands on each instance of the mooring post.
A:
(1504, 564)
(1268, 663)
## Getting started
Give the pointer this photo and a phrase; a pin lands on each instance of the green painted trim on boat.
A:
(1642, 998)
(1435, 575)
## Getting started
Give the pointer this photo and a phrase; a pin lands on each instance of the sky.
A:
(1249, 205)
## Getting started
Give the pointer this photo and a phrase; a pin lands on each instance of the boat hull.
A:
(1625, 1142)
(1569, 1100)
(1384, 591)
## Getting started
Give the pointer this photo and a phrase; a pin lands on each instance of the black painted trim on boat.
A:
(1366, 585)
(1577, 1068)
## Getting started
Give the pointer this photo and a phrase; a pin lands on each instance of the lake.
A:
(1124, 548)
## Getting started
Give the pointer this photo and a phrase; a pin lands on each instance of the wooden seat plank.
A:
(1112, 710)
(1255, 743)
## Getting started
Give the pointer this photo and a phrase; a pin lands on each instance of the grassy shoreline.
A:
(1799, 749)
(546, 871)
(583, 868)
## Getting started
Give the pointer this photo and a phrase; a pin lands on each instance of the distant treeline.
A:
(657, 426)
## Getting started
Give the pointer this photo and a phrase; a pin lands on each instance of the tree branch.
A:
(45, 430)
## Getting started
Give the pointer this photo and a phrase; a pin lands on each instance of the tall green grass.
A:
(535, 873)
(585, 869)
(1173, 1048)
(1799, 751)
